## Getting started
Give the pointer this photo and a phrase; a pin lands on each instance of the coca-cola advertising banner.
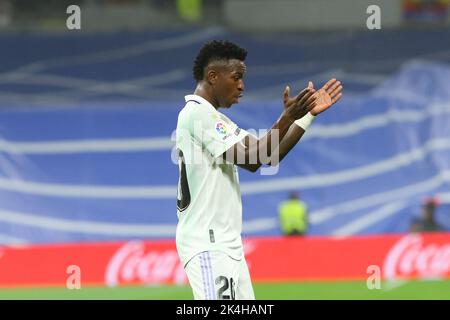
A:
(269, 259)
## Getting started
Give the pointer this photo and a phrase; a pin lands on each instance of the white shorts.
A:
(214, 275)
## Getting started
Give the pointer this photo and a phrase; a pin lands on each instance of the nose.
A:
(241, 85)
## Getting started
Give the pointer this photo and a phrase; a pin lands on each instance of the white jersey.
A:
(209, 205)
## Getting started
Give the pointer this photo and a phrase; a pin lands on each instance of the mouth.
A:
(236, 98)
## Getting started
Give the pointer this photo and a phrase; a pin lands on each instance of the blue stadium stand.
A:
(86, 122)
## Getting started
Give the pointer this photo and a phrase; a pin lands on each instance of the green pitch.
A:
(431, 289)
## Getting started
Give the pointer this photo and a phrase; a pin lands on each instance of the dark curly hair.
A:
(216, 50)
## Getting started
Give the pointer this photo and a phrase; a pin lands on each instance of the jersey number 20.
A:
(225, 285)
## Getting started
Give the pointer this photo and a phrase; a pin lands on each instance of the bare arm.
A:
(293, 136)
(328, 95)
(253, 152)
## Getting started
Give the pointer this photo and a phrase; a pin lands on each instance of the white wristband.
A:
(305, 121)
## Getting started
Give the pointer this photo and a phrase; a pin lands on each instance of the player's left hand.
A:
(328, 95)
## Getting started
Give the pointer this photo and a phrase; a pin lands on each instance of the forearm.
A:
(255, 152)
(259, 152)
(270, 143)
(292, 137)
(295, 133)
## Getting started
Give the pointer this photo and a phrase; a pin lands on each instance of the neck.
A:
(204, 91)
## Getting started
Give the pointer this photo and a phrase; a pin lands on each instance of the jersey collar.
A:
(199, 100)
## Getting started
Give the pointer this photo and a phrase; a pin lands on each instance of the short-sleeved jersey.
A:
(209, 204)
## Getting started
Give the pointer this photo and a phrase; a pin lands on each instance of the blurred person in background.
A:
(190, 10)
(426, 222)
(293, 216)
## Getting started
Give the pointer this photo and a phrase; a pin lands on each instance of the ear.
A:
(211, 76)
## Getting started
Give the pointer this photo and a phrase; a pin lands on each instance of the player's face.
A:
(230, 84)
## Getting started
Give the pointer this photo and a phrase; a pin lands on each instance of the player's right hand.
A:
(298, 106)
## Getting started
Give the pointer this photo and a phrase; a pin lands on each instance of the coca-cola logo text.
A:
(132, 264)
(410, 257)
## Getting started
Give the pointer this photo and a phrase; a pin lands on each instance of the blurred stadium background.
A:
(86, 124)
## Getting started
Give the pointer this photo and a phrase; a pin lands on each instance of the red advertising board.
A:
(269, 259)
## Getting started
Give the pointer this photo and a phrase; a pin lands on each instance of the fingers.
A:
(286, 94)
(311, 102)
(337, 98)
(333, 87)
(328, 84)
(302, 94)
(307, 96)
(336, 91)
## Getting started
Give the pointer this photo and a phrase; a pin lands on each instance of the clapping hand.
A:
(326, 96)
